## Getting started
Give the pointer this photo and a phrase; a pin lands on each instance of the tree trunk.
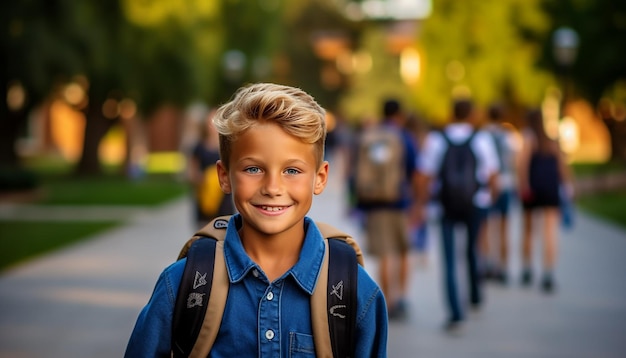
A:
(9, 132)
(609, 123)
(9, 127)
(96, 126)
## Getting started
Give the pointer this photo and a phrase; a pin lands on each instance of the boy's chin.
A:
(271, 226)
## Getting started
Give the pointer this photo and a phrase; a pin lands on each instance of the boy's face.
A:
(272, 178)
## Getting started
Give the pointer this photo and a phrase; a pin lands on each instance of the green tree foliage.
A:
(251, 33)
(151, 52)
(369, 89)
(305, 23)
(480, 48)
(36, 58)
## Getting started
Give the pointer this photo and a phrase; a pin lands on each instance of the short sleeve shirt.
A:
(482, 144)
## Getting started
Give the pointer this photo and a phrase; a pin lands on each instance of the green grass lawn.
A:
(589, 169)
(22, 240)
(110, 190)
(59, 187)
(610, 206)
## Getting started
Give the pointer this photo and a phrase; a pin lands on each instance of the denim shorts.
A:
(502, 204)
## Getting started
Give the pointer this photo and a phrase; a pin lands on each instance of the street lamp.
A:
(234, 64)
(565, 42)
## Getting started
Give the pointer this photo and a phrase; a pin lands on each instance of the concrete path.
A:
(83, 301)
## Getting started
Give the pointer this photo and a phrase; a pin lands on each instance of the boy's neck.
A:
(274, 254)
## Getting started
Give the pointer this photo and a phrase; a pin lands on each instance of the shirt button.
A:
(255, 273)
(270, 296)
(269, 334)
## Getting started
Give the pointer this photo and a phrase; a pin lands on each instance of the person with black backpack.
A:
(271, 260)
(464, 164)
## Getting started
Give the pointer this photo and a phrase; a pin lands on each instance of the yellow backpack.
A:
(210, 193)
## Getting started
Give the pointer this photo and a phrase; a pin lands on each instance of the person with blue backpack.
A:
(385, 172)
(464, 164)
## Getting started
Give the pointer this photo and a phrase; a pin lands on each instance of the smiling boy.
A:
(271, 149)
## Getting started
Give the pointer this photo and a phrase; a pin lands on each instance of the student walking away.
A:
(418, 229)
(543, 171)
(209, 201)
(464, 163)
(385, 170)
(494, 241)
(273, 259)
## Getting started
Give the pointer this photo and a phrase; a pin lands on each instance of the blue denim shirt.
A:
(262, 318)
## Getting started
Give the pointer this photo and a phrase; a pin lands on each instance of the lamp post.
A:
(565, 42)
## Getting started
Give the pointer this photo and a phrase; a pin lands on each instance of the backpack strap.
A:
(341, 292)
(449, 142)
(194, 328)
(333, 303)
(216, 229)
(329, 231)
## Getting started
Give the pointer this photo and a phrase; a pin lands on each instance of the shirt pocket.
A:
(301, 345)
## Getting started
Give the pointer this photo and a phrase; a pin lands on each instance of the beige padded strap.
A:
(319, 314)
(215, 310)
(329, 231)
(183, 252)
(357, 250)
(208, 230)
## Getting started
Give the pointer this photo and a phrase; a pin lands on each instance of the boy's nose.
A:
(272, 185)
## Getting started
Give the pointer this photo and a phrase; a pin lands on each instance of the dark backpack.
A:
(458, 179)
(204, 289)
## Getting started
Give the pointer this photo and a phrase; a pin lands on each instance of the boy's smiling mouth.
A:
(272, 208)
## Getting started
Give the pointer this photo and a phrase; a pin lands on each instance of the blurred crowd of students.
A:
(513, 167)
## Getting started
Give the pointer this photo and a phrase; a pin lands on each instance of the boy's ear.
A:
(222, 174)
(321, 178)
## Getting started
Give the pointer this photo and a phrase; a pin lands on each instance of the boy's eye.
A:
(252, 170)
(292, 171)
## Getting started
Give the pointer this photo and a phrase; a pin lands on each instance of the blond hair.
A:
(295, 111)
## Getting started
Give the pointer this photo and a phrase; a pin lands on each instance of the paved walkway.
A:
(83, 301)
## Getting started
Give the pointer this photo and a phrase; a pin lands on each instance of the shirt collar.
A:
(305, 271)
(460, 126)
